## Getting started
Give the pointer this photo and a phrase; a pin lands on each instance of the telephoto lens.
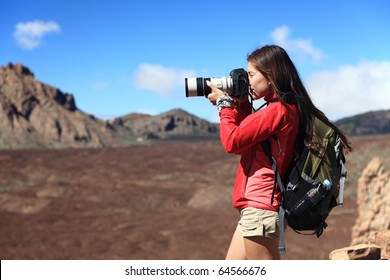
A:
(198, 86)
(237, 85)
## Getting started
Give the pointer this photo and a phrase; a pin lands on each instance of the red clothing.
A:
(242, 133)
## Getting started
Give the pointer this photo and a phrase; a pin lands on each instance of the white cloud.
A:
(29, 34)
(351, 90)
(161, 79)
(302, 47)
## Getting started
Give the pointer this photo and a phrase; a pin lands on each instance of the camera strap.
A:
(287, 97)
(265, 104)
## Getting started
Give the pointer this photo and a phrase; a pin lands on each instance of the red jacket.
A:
(242, 133)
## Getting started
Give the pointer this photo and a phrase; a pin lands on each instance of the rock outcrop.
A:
(373, 200)
(357, 252)
(371, 232)
(34, 114)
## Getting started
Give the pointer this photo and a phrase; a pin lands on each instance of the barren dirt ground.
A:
(167, 200)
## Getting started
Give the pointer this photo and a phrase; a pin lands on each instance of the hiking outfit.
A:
(242, 132)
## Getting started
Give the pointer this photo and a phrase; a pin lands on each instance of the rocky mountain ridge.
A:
(369, 123)
(36, 115)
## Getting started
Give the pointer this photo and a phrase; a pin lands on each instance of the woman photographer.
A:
(271, 75)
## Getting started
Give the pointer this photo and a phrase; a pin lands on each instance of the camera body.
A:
(236, 85)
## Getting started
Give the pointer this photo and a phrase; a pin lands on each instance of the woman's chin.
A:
(256, 97)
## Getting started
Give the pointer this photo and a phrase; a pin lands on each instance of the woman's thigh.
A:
(261, 248)
(237, 248)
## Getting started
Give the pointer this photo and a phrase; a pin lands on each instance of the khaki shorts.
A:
(259, 222)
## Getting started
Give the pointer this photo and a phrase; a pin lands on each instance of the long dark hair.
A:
(275, 64)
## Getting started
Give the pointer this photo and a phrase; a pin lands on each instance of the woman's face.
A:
(259, 85)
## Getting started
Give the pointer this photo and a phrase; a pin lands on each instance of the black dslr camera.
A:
(236, 85)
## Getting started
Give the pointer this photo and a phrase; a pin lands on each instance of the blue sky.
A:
(119, 57)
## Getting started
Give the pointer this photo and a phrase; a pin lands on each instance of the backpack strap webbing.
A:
(267, 150)
(343, 176)
(289, 98)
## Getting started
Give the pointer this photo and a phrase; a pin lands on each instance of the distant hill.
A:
(374, 122)
(175, 123)
(36, 115)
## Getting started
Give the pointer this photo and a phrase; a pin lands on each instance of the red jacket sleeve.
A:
(239, 131)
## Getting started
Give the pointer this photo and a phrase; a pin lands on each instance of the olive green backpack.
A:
(313, 185)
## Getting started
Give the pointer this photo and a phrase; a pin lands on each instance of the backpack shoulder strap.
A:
(289, 98)
(267, 150)
(277, 178)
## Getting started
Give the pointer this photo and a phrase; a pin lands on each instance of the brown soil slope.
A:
(168, 200)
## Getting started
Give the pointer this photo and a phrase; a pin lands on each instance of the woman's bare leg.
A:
(236, 249)
(261, 248)
(252, 248)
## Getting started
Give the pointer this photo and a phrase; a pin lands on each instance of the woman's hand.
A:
(215, 93)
